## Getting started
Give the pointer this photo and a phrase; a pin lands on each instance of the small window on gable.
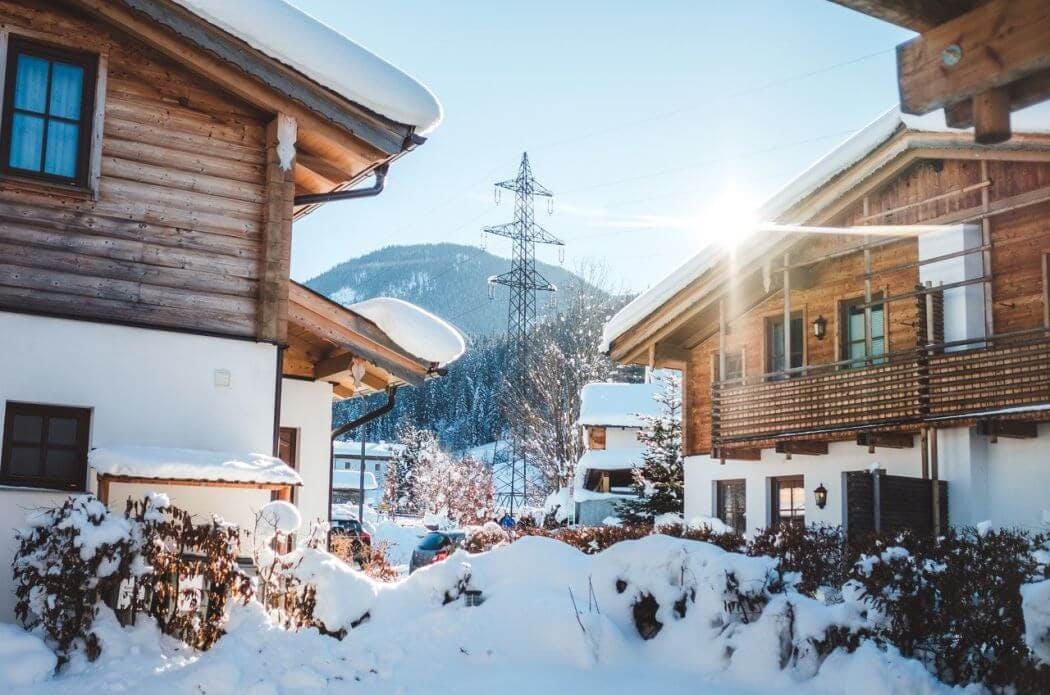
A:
(45, 446)
(49, 96)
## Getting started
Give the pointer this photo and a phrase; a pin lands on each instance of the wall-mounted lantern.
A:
(821, 495)
(820, 327)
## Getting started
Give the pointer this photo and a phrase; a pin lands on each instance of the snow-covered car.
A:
(435, 547)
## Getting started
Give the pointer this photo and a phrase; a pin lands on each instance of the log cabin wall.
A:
(1019, 240)
(172, 235)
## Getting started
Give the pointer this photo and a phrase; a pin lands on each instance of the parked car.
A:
(360, 540)
(435, 547)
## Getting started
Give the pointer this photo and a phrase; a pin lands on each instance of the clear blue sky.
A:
(644, 118)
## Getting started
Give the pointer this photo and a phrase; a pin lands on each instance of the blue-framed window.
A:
(48, 109)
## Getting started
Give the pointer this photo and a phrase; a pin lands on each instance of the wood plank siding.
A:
(172, 234)
(929, 191)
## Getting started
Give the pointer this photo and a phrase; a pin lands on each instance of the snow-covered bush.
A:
(817, 553)
(152, 560)
(69, 559)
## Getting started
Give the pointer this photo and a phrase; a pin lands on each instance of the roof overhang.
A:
(326, 340)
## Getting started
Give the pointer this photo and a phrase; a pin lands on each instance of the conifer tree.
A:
(419, 449)
(659, 483)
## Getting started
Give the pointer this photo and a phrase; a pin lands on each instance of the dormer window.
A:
(47, 112)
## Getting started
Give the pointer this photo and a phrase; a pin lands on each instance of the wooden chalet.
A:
(898, 301)
(153, 157)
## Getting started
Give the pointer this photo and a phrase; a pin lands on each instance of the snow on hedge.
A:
(552, 620)
(192, 464)
(414, 329)
(296, 39)
(24, 658)
(1035, 602)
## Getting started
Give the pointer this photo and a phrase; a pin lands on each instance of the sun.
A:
(728, 218)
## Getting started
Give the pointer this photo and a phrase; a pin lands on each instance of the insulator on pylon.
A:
(561, 255)
(484, 241)
(550, 206)
(495, 193)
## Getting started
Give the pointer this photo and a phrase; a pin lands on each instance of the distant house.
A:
(611, 416)
(153, 337)
(348, 484)
(376, 460)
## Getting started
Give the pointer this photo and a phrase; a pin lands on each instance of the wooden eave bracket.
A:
(977, 58)
(805, 447)
(889, 440)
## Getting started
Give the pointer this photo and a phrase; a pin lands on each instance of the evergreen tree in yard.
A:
(659, 482)
(419, 452)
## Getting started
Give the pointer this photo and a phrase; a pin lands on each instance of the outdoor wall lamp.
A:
(821, 495)
(820, 327)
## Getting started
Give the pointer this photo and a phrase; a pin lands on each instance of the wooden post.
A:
(284, 493)
(986, 255)
(103, 489)
(876, 499)
(721, 339)
(279, 191)
(991, 116)
(867, 292)
(924, 443)
(935, 479)
(787, 311)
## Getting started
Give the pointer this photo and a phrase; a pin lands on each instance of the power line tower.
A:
(523, 281)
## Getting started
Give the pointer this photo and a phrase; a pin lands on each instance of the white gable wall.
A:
(147, 387)
(307, 407)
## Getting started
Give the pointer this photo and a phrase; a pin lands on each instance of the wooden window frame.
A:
(88, 121)
(844, 308)
(80, 445)
(719, 509)
(774, 498)
(767, 341)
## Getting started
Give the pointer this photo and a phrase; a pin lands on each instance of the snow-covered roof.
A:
(352, 449)
(350, 479)
(610, 459)
(415, 330)
(191, 464)
(327, 57)
(618, 405)
(1035, 119)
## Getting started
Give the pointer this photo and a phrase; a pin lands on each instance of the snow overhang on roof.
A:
(191, 465)
(312, 48)
(414, 329)
(1033, 120)
(350, 479)
(617, 405)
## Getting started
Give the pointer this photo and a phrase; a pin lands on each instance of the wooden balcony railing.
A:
(937, 383)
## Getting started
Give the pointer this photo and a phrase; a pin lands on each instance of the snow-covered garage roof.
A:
(1035, 119)
(164, 463)
(618, 405)
(350, 479)
(327, 57)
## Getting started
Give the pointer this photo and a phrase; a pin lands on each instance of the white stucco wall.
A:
(702, 471)
(307, 407)
(621, 437)
(146, 387)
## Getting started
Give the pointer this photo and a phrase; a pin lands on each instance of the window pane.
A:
(856, 350)
(31, 84)
(856, 325)
(27, 429)
(27, 138)
(61, 464)
(61, 159)
(878, 323)
(67, 88)
(62, 430)
(25, 461)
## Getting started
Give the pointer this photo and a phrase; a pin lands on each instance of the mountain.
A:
(449, 280)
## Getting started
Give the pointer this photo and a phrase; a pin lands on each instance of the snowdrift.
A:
(551, 619)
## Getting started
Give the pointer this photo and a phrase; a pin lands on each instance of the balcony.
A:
(1002, 376)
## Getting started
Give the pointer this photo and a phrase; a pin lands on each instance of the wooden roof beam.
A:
(971, 56)
(917, 15)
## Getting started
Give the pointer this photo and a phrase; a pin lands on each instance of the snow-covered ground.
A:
(552, 620)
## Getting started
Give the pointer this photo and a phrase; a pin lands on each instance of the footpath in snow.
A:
(552, 620)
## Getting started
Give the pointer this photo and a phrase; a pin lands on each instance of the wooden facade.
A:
(185, 220)
(917, 380)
